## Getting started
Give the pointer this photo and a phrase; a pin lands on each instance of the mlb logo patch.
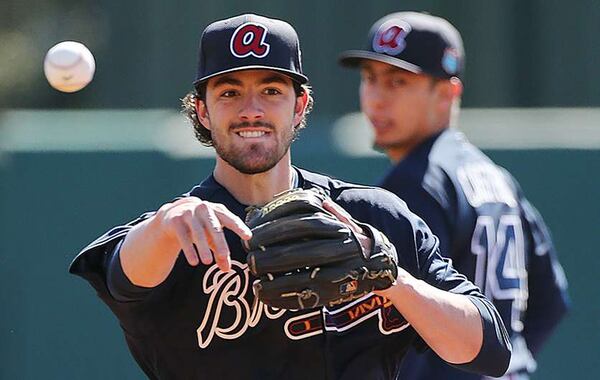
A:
(349, 287)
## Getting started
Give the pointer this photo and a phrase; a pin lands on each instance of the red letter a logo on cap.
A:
(249, 39)
(389, 38)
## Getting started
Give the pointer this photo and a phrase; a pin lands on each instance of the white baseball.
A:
(69, 66)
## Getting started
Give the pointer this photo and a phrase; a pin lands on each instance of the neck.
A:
(255, 189)
(397, 153)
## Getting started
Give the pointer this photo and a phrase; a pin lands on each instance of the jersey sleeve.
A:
(548, 298)
(418, 253)
(117, 282)
(93, 260)
(494, 356)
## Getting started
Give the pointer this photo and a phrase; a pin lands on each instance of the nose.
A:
(372, 97)
(251, 108)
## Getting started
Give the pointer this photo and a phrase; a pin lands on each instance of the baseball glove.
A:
(304, 257)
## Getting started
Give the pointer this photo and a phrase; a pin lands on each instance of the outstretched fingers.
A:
(200, 241)
(215, 238)
(213, 218)
(346, 218)
(341, 214)
(185, 241)
(232, 222)
(198, 226)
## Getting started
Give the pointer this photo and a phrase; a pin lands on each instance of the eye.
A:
(229, 94)
(398, 82)
(367, 77)
(271, 91)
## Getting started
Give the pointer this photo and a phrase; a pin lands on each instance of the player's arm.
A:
(189, 224)
(449, 312)
(449, 323)
(431, 307)
(452, 317)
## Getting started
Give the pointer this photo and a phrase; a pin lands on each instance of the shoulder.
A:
(428, 173)
(368, 204)
(458, 166)
(452, 150)
(205, 189)
(355, 195)
(389, 214)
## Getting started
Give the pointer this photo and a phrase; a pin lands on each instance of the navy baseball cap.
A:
(248, 42)
(417, 42)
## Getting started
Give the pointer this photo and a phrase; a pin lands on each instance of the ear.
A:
(448, 91)
(300, 108)
(202, 113)
(457, 87)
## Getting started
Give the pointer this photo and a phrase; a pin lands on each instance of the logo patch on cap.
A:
(249, 39)
(390, 36)
(450, 61)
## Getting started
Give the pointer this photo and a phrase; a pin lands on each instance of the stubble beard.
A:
(255, 158)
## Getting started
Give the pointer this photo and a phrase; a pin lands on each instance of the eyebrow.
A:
(226, 79)
(393, 70)
(230, 80)
(388, 70)
(275, 78)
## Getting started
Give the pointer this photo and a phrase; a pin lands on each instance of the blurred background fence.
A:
(67, 176)
(58, 193)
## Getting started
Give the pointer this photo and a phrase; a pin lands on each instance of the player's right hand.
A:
(197, 226)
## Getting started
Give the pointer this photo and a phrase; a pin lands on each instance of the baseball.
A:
(69, 66)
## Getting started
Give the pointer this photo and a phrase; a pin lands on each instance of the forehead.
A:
(249, 77)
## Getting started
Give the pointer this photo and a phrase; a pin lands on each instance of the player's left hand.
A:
(344, 217)
(365, 241)
(306, 254)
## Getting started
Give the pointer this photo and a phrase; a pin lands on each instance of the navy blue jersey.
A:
(492, 234)
(201, 323)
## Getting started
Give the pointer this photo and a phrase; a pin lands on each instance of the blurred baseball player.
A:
(178, 281)
(410, 91)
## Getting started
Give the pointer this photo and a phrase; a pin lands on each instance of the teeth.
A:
(246, 134)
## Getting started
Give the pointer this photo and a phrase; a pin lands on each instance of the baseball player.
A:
(410, 89)
(180, 282)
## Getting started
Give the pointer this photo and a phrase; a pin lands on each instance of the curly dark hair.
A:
(188, 108)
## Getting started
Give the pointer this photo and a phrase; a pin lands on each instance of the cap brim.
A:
(353, 58)
(300, 78)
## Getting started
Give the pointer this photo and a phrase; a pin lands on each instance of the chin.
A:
(385, 145)
(253, 167)
(253, 170)
(382, 145)
(377, 147)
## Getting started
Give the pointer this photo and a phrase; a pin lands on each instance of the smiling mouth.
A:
(251, 134)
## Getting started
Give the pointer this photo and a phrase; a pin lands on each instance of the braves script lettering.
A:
(228, 291)
(227, 295)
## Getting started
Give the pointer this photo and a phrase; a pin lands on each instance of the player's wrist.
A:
(405, 285)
